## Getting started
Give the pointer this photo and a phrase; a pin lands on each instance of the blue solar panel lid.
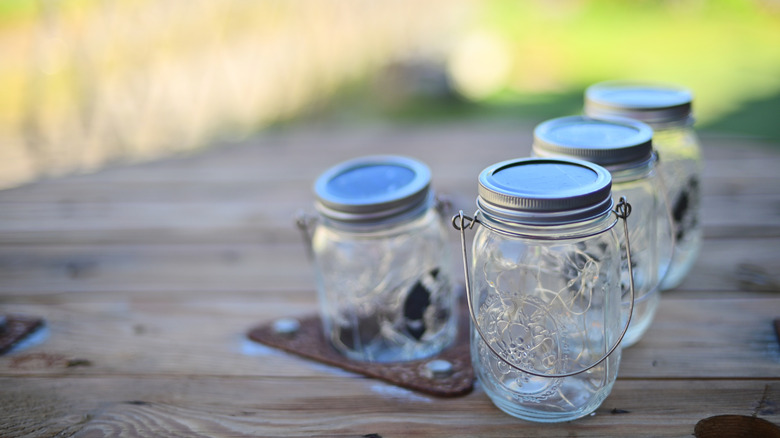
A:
(544, 190)
(373, 188)
(645, 101)
(602, 141)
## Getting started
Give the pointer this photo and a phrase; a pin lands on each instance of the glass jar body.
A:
(680, 169)
(649, 230)
(551, 306)
(385, 294)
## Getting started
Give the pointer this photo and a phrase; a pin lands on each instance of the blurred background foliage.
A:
(85, 83)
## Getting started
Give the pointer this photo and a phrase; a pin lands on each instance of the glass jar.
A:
(667, 109)
(544, 289)
(624, 147)
(380, 254)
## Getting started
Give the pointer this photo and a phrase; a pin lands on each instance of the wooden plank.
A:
(311, 148)
(147, 338)
(105, 268)
(270, 219)
(237, 181)
(723, 265)
(720, 146)
(300, 156)
(742, 176)
(736, 265)
(135, 334)
(213, 406)
(741, 216)
(252, 191)
(234, 181)
(267, 214)
(701, 338)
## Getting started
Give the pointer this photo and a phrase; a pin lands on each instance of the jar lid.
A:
(543, 191)
(604, 142)
(373, 189)
(648, 102)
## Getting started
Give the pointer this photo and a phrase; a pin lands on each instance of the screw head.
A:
(439, 369)
(286, 326)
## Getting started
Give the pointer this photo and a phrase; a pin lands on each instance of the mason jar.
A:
(624, 147)
(380, 254)
(543, 287)
(667, 109)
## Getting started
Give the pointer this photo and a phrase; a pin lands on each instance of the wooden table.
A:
(149, 276)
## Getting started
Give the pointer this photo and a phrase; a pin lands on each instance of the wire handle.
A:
(306, 223)
(460, 222)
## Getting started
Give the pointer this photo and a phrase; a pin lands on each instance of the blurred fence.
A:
(83, 83)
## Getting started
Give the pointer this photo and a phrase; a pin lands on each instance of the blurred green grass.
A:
(758, 118)
(355, 104)
(542, 56)
(13, 11)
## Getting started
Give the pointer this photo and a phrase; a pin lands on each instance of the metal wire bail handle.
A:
(459, 222)
(306, 223)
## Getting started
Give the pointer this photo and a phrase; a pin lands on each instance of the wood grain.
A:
(214, 406)
(724, 265)
(149, 276)
(133, 333)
